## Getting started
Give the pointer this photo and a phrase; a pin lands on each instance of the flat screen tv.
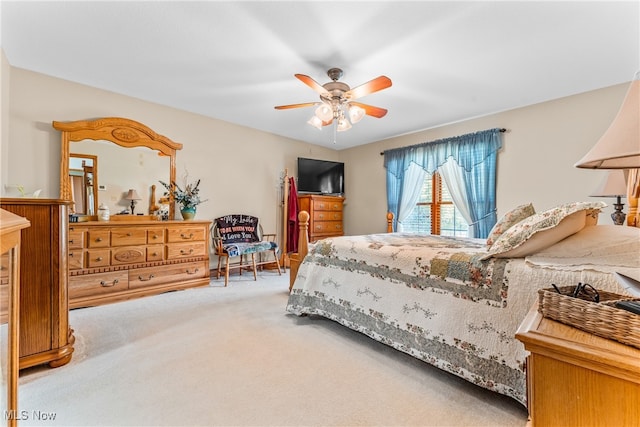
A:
(320, 176)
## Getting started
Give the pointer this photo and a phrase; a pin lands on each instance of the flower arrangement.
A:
(187, 197)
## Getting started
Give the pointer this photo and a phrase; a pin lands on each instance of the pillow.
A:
(509, 219)
(238, 228)
(541, 230)
(602, 245)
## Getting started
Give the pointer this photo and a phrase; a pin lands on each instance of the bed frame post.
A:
(295, 259)
(389, 222)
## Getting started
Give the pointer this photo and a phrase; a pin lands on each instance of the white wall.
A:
(240, 168)
(541, 146)
(535, 164)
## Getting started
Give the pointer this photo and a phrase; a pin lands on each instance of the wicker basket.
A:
(602, 319)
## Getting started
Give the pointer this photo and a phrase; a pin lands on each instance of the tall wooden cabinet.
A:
(45, 335)
(325, 215)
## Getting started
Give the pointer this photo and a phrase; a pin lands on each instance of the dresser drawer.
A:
(98, 283)
(155, 253)
(76, 259)
(155, 236)
(327, 227)
(76, 239)
(327, 215)
(186, 250)
(186, 234)
(324, 205)
(98, 258)
(128, 255)
(148, 276)
(128, 236)
(98, 238)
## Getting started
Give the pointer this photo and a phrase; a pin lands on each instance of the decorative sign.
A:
(238, 228)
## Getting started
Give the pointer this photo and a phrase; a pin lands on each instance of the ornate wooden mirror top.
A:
(124, 133)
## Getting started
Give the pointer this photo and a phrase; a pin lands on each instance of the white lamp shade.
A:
(343, 124)
(355, 113)
(619, 147)
(324, 112)
(132, 195)
(614, 185)
(315, 122)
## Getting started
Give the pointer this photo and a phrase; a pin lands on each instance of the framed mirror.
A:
(130, 155)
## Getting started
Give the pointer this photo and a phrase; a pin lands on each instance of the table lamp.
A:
(615, 185)
(133, 196)
(619, 147)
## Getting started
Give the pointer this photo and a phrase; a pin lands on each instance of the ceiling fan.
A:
(337, 101)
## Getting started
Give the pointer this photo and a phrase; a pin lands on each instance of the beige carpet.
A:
(233, 357)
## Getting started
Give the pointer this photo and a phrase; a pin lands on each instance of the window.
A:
(435, 212)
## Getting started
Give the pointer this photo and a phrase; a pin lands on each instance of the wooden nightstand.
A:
(578, 379)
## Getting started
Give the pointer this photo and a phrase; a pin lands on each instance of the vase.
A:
(188, 213)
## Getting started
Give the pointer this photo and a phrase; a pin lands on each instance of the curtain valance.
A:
(467, 150)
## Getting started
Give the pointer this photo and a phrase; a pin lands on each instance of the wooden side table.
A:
(578, 379)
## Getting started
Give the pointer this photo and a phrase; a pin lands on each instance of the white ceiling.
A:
(235, 60)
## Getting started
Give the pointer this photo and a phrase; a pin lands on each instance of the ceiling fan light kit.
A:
(337, 104)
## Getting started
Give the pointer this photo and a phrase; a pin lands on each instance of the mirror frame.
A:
(126, 133)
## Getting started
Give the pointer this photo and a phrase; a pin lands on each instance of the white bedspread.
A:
(431, 297)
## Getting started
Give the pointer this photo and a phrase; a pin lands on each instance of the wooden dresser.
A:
(117, 260)
(578, 379)
(325, 214)
(45, 335)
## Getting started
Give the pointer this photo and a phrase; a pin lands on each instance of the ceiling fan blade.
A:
(371, 86)
(370, 110)
(311, 83)
(287, 107)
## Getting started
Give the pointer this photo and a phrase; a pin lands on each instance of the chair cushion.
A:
(237, 249)
(238, 229)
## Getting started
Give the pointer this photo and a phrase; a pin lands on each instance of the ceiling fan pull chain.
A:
(335, 131)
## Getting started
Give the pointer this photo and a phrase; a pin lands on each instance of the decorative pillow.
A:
(509, 219)
(238, 228)
(542, 230)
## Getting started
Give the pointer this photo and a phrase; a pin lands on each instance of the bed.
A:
(456, 303)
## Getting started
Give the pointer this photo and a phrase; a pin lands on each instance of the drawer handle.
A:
(129, 234)
(99, 258)
(155, 236)
(193, 271)
(154, 254)
(183, 252)
(107, 284)
(71, 241)
(70, 254)
(184, 236)
(142, 279)
(321, 216)
(99, 239)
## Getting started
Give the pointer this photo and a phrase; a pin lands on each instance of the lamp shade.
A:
(619, 147)
(614, 185)
(132, 195)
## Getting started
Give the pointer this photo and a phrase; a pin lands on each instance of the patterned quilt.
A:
(431, 297)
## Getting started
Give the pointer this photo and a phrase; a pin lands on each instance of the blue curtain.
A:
(476, 153)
